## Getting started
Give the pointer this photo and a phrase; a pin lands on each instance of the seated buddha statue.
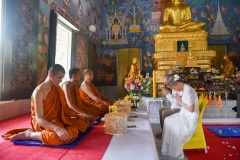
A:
(227, 66)
(133, 68)
(182, 49)
(178, 18)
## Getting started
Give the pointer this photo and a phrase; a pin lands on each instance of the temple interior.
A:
(118, 40)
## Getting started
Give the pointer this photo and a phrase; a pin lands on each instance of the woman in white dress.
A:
(179, 127)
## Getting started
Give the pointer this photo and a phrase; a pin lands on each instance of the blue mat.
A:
(69, 145)
(225, 131)
(95, 122)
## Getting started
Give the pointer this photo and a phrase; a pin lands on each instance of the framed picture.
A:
(182, 46)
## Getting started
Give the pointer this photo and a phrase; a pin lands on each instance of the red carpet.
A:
(92, 147)
(96, 142)
(218, 148)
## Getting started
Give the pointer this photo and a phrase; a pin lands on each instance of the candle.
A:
(154, 84)
(147, 75)
(226, 95)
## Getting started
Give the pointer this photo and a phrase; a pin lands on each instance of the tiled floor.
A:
(156, 129)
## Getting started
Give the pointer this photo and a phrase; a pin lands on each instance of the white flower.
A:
(214, 70)
(175, 77)
(132, 87)
(135, 98)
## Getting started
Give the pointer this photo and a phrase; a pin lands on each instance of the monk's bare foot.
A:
(22, 135)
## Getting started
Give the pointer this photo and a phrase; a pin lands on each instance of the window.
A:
(63, 48)
(64, 44)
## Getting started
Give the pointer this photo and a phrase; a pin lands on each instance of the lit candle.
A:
(154, 84)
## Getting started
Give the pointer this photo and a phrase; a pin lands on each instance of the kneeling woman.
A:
(179, 127)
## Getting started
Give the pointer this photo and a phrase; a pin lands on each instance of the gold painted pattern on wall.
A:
(22, 45)
(81, 54)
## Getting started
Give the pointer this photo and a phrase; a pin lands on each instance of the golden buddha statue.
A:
(133, 68)
(182, 48)
(178, 18)
(227, 66)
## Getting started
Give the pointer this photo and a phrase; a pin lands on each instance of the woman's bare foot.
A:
(22, 135)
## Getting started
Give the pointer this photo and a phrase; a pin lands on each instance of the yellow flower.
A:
(112, 108)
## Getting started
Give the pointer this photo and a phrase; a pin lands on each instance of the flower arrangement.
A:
(146, 85)
(193, 73)
(133, 83)
(178, 68)
(232, 85)
(138, 83)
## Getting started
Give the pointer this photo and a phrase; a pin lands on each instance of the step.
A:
(221, 121)
(228, 114)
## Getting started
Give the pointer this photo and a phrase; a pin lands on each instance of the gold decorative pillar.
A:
(154, 84)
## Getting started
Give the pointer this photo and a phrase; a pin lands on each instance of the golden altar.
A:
(173, 49)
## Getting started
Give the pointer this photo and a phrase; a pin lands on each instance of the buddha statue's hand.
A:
(62, 133)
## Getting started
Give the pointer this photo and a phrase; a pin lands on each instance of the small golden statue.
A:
(182, 48)
(178, 18)
(227, 66)
(133, 68)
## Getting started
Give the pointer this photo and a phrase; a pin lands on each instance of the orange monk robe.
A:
(90, 110)
(89, 101)
(52, 112)
(67, 119)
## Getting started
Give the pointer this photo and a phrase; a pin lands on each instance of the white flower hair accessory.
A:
(172, 80)
(176, 77)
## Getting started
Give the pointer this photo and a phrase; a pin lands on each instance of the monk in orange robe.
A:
(75, 106)
(90, 95)
(228, 67)
(47, 119)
